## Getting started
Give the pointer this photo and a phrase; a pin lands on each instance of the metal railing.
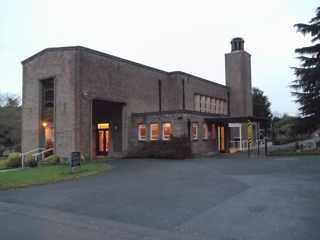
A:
(35, 153)
(242, 145)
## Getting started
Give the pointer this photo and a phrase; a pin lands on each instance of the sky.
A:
(190, 36)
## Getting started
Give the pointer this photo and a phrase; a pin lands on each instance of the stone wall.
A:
(61, 66)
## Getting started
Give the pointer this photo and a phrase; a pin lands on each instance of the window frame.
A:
(196, 137)
(163, 134)
(151, 137)
(140, 138)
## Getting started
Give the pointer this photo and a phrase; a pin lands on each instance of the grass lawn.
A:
(3, 163)
(48, 174)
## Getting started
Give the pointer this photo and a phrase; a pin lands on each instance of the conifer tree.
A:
(307, 84)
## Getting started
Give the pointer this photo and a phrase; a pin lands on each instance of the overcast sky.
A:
(191, 36)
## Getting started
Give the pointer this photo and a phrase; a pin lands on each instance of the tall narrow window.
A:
(208, 104)
(197, 102)
(213, 105)
(217, 106)
(194, 131)
(205, 131)
(154, 131)
(142, 132)
(203, 104)
(166, 131)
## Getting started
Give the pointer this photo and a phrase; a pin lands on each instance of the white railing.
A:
(242, 145)
(35, 153)
(42, 154)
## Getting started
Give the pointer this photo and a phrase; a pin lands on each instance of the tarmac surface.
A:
(224, 198)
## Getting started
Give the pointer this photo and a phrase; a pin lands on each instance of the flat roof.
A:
(117, 59)
(228, 119)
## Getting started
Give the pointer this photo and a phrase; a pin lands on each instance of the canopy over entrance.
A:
(226, 120)
(233, 132)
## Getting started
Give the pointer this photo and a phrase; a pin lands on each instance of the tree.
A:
(10, 123)
(307, 85)
(261, 104)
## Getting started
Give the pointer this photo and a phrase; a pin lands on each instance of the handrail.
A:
(29, 152)
(42, 153)
(37, 153)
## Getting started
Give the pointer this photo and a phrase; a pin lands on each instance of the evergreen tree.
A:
(307, 85)
(261, 104)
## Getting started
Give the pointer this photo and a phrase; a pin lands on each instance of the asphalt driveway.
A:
(227, 199)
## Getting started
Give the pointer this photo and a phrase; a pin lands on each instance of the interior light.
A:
(44, 124)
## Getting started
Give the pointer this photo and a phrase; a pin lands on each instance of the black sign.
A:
(75, 159)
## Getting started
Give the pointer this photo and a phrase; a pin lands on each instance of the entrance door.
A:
(102, 136)
(221, 139)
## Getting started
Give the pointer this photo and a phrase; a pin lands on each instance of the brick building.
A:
(79, 99)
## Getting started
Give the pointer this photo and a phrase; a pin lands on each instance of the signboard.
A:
(75, 160)
(249, 132)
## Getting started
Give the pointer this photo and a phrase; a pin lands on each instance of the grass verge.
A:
(45, 174)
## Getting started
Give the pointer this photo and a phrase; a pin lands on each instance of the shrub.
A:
(31, 161)
(53, 159)
(14, 160)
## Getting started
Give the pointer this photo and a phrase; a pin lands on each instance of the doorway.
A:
(221, 139)
(103, 139)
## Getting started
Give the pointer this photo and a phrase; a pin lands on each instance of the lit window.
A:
(166, 131)
(154, 131)
(205, 131)
(142, 132)
(213, 131)
(194, 131)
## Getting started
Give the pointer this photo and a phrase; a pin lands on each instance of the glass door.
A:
(103, 138)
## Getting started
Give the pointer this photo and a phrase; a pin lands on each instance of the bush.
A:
(31, 161)
(53, 160)
(14, 160)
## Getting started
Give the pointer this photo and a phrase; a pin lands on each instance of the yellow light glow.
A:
(44, 124)
(103, 125)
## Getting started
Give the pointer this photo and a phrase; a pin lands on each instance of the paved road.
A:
(224, 199)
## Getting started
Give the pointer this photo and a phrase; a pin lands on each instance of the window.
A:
(205, 131)
(213, 131)
(154, 131)
(194, 131)
(213, 105)
(197, 102)
(208, 104)
(217, 106)
(142, 132)
(203, 104)
(48, 93)
(166, 131)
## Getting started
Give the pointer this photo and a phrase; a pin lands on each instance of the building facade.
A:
(79, 99)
